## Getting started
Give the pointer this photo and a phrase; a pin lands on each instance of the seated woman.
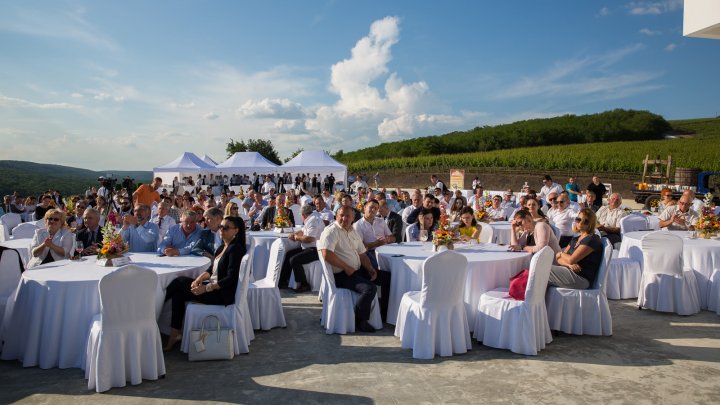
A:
(425, 222)
(54, 243)
(217, 285)
(456, 209)
(666, 200)
(533, 206)
(580, 261)
(469, 228)
(531, 236)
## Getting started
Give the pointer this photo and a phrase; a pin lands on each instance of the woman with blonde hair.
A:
(54, 243)
(580, 261)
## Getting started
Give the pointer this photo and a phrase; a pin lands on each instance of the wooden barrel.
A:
(686, 177)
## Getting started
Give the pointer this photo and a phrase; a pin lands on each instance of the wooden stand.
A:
(657, 176)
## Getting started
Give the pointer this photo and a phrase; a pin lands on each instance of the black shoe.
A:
(302, 288)
(364, 326)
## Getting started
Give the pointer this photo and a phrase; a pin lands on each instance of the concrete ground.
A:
(651, 358)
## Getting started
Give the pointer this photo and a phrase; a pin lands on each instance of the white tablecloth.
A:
(502, 232)
(47, 323)
(22, 246)
(489, 266)
(701, 255)
(259, 243)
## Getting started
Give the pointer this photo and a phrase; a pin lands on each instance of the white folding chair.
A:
(520, 326)
(264, 301)
(10, 275)
(4, 233)
(296, 214)
(236, 316)
(124, 341)
(487, 233)
(24, 230)
(633, 222)
(714, 292)
(407, 233)
(624, 273)
(582, 312)
(433, 320)
(338, 314)
(11, 220)
(665, 285)
(313, 275)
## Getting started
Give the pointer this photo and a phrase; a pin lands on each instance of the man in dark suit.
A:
(209, 238)
(90, 234)
(392, 219)
(269, 214)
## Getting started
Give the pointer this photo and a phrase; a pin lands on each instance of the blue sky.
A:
(132, 84)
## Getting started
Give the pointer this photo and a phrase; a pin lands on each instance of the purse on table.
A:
(211, 343)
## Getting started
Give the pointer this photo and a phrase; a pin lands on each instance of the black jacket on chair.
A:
(229, 270)
(395, 223)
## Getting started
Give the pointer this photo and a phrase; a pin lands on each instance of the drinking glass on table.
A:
(423, 235)
(79, 247)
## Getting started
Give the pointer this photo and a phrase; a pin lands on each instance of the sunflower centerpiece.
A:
(708, 223)
(282, 221)
(444, 236)
(113, 247)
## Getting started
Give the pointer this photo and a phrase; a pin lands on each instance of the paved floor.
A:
(652, 358)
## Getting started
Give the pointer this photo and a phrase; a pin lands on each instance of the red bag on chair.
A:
(518, 284)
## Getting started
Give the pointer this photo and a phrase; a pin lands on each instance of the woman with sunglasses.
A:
(531, 236)
(666, 200)
(580, 261)
(533, 206)
(54, 243)
(217, 285)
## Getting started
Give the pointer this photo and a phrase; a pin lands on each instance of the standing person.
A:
(344, 252)
(599, 189)
(573, 189)
(313, 227)
(548, 188)
(148, 193)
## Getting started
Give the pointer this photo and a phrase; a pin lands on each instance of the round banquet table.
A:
(48, 321)
(502, 232)
(259, 243)
(701, 255)
(489, 266)
(22, 246)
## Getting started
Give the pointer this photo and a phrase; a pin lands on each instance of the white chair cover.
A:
(406, 232)
(556, 230)
(714, 292)
(11, 220)
(24, 230)
(236, 316)
(633, 222)
(10, 275)
(623, 278)
(124, 342)
(487, 233)
(339, 306)
(296, 214)
(313, 274)
(520, 326)
(665, 285)
(264, 301)
(4, 233)
(433, 320)
(582, 312)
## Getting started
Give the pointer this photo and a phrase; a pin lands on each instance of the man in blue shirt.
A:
(138, 231)
(180, 238)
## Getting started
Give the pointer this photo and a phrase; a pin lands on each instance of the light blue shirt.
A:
(175, 238)
(141, 238)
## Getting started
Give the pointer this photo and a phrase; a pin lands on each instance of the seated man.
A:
(210, 238)
(163, 219)
(416, 202)
(392, 219)
(608, 218)
(428, 203)
(507, 203)
(373, 230)
(344, 252)
(327, 216)
(496, 212)
(180, 238)
(550, 202)
(90, 234)
(571, 204)
(140, 234)
(590, 201)
(562, 217)
(679, 217)
(313, 226)
(270, 213)
(347, 201)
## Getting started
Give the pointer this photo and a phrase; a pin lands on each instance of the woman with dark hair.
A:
(424, 225)
(468, 228)
(217, 285)
(457, 208)
(533, 206)
(531, 236)
(580, 261)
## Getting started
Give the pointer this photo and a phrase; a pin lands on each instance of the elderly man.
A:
(374, 230)
(163, 219)
(270, 213)
(428, 203)
(257, 207)
(320, 207)
(344, 252)
(697, 204)
(313, 226)
(550, 202)
(608, 218)
(209, 239)
(180, 238)
(507, 203)
(562, 217)
(393, 220)
(90, 234)
(138, 231)
(147, 194)
(679, 217)
(599, 189)
(549, 187)
(416, 202)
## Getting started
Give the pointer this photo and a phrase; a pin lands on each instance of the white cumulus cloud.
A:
(21, 103)
(211, 116)
(271, 108)
(653, 7)
(670, 47)
(649, 32)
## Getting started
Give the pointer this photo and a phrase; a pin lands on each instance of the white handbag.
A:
(211, 344)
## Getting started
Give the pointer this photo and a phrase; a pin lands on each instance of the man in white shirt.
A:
(679, 217)
(313, 226)
(549, 187)
(322, 209)
(268, 185)
(697, 204)
(416, 203)
(358, 183)
(344, 252)
(562, 217)
(608, 218)
(550, 202)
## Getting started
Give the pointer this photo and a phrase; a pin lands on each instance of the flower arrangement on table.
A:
(281, 219)
(481, 215)
(654, 204)
(69, 207)
(487, 203)
(112, 218)
(708, 223)
(443, 236)
(113, 245)
(361, 204)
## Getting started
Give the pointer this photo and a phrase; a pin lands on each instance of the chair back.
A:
(486, 233)
(243, 282)
(4, 233)
(327, 274)
(127, 296)
(24, 230)
(275, 262)
(296, 214)
(556, 231)
(11, 220)
(10, 272)
(539, 275)
(662, 253)
(443, 279)
(602, 275)
(632, 223)
(408, 237)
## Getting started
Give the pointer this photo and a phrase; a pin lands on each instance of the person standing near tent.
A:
(147, 193)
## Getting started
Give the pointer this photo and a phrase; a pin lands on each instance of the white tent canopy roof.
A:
(316, 161)
(188, 162)
(247, 163)
(207, 159)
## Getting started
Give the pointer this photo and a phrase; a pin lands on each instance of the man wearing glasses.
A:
(679, 217)
(180, 238)
(140, 234)
(562, 217)
(608, 217)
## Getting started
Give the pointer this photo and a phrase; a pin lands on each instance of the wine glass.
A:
(79, 247)
(423, 235)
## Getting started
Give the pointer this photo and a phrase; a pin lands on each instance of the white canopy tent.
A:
(316, 161)
(207, 159)
(187, 164)
(247, 163)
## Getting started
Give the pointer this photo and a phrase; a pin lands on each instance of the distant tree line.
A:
(615, 125)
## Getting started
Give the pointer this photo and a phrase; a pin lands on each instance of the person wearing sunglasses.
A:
(680, 217)
(54, 243)
(579, 262)
(608, 217)
(561, 216)
(531, 236)
(666, 200)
